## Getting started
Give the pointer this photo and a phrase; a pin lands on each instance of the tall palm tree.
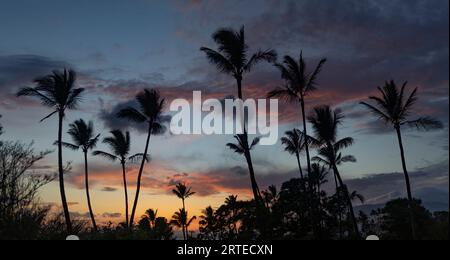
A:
(58, 92)
(181, 220)
(120, 143)
(242, 147)
(233, 58)
(325, 124)
(295, 143)
(299, 83)
(151, 106)
(83, 138)
(183, 192)
(394, 108)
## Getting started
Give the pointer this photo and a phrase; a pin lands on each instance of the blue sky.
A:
(120, 47)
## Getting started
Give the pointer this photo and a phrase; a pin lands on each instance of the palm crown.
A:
(324, 123)
(232, 56)
(294, 141)
(394, 108)
(151, 106)
(119, 144)
(182, 191)
(241, 147)
(56, 91)
(298, 81)
(82, 135)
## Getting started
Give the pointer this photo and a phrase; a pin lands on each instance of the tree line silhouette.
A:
(301, 209)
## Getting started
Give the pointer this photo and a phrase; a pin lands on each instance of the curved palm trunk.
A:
(61, 176)
(185, 234)
(408, 183)
(126, 193)
(86, 179)
(248, 156)
(339, 213)
(255, 187)
(299, 165)
(308, 158)
(349, 202)
(141, 169)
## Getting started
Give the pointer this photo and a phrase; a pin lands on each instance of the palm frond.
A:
(255, 142)
(105, 155)
(131, 114)
(236, 148)
(69, 146)
(343, 143)
(222, 63)
(377, 112)
(425, 124)
(311, 85)
(268, 55)
(285, 93)
(48, 116)
(138, 157)
(32, 92)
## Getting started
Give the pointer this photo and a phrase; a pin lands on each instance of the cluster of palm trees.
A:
(232, 57)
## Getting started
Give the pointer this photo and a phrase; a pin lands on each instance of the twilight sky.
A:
(121, 47)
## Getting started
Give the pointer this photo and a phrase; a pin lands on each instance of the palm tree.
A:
(150, 110)
(325, 122)
(295, 143)
(395, 109)
(208, 222)
(150, 217)
(57, 91)
(181, 220)
(183, 192)
(119, 143)
(299, 83)
(318, 176)
(233, 58)
(83, 138)
(243, 148)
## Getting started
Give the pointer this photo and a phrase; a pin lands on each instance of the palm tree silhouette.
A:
(57, 91)
(181, 220)
(319, 175)
(298, 85)
(208, 223)
(120, 143)
(242, 147)
(183, 192)
(150, 217)
(295, 143)
(394, 108)
(83, 138)
(232, 58)
(150, 110)
(325, 122)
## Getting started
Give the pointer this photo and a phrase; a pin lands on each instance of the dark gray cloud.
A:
(379, 188)
(111, 121)
(109, 189)
(17, 71)
(111, 215)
